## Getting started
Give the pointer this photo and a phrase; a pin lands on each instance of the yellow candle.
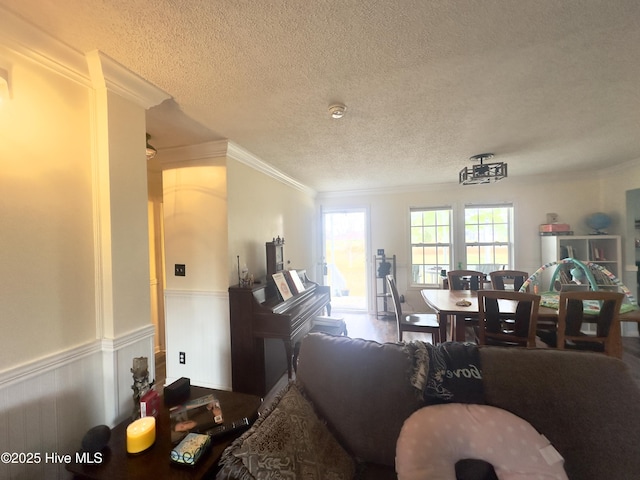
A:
(141, 434)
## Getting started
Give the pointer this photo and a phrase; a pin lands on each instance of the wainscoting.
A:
(197, 323)
(46, 406)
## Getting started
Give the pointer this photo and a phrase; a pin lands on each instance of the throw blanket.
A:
(447, 373)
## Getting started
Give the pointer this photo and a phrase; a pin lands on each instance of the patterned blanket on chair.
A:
(447, 373)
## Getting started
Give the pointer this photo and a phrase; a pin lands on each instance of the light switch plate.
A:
(552, 218)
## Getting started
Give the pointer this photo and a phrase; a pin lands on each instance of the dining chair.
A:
(512, 327)
(572, 316)
(514, 278)
(466, 280)
(414, 322)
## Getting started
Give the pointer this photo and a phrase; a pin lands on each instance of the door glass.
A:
(345, 257)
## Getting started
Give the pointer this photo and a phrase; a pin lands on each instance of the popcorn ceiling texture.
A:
(547, 86)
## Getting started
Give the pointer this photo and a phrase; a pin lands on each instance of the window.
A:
(488, 236)
(430, 244)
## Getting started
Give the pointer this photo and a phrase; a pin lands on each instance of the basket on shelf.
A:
(596, 275)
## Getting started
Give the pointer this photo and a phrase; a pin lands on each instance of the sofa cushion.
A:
(288, 441)
(362, 389)
(586, 404)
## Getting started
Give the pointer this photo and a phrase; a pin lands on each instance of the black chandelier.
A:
(483, 173)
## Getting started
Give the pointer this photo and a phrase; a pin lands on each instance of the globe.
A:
(599, 221)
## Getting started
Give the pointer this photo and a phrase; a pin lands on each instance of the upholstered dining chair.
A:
(514, 278)
(414, 322)
(572, 316)
(515, 327)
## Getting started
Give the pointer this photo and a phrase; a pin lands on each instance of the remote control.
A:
(226, 429)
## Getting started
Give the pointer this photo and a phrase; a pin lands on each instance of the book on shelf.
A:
(197, 415)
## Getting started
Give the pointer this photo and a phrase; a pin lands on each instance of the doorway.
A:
(344, 254)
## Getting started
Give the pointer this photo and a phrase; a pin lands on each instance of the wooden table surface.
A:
(155, 463)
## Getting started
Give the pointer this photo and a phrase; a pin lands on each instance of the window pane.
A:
(471, 233)
(502, 254)
(485, 233)
(444, 234)
(443, 216)
(501, 232)
(430, 235)
(486, 255)
(416, 235)
(473, 255)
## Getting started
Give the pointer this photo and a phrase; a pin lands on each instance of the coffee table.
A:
(155, 463)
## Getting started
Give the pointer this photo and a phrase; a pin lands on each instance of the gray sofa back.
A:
(586, 404)
(361, 389)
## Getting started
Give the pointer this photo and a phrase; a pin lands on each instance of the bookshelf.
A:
(601, 249)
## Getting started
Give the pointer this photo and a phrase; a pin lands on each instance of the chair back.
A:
(513, 277)
(465, 279)
(507, 318)
(393, 290)
(572, 316)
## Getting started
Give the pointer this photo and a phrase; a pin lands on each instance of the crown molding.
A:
(203, 153)
(28, 41)
(190, 155)
(238, 153)
(95, 69)
(107, 73)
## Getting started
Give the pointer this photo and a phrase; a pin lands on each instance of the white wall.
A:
(217, 208)
(262, 208)
(46, 215)
(196, 305)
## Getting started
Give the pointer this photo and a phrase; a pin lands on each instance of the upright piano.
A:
(265, 330)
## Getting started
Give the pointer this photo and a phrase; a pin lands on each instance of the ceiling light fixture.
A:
(483, 173)
(151, 151)
(337, 110)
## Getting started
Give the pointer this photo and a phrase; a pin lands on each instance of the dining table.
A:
(453, 306)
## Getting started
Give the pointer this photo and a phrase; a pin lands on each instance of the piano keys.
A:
(265, 330)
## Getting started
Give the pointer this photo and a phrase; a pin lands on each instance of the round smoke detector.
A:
(337, 110)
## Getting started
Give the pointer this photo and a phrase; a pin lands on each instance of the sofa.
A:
(342, 416)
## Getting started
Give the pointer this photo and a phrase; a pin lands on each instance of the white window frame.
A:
(437, 244)
(509, 243)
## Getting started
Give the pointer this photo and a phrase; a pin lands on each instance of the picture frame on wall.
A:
(283, 286)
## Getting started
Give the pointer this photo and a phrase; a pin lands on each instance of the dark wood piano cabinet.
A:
(265, 329)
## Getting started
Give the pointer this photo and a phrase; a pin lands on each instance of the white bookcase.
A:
(601, 249)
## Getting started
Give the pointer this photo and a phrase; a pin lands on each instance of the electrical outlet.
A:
(181, 270)
(182, 358)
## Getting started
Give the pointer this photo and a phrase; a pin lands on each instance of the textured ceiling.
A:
(548, 86)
